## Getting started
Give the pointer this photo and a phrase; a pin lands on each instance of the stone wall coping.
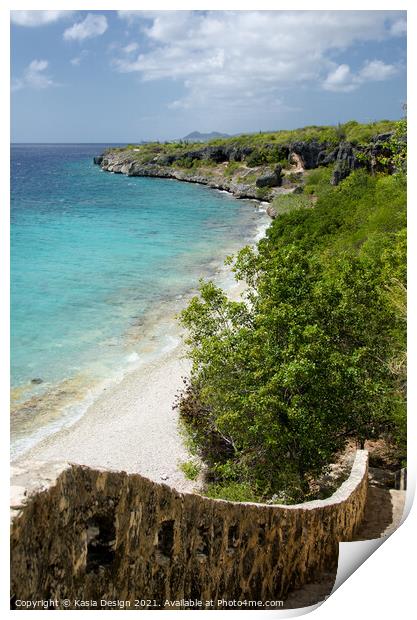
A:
(358, 472)
(32, 477)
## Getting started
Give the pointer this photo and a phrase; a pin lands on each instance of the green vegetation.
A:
(190, 469)
(317, 181)
(232, 491)
(352, 131)
(294, 177)
(248, 178)
(231, 168)
(187, 162)
(262, 156)
(359, 133)
(291, 202)
(315, 353)
(268, 148)
(262, 193)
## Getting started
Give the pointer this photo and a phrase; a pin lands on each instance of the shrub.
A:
(256, 158)
(145, 158)
(294, 177)
(187, 162)
(358, 133)
(314, 354)
(318, 180)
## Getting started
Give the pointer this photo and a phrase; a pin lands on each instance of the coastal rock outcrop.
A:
(301, 155)
(313, 154)
(378, 149)
(272, 179)
(350, 157)
(121, 162)
(346, 162)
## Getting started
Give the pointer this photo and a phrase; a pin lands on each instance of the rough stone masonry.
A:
(86, 534)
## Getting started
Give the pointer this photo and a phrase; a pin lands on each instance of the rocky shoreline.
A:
(123, 163)
(209, 165)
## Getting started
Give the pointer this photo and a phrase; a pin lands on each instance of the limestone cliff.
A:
(208, 164)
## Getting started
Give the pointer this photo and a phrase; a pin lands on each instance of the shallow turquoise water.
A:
(95, 254)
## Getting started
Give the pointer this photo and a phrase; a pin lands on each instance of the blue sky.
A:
(125, 76)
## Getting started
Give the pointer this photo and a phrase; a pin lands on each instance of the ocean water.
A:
(100, 263)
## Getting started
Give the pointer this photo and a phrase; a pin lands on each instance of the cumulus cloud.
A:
(342, 79)
(37, 18)
(34, 76)
(92, 26)
(377, 71)
(237, 57)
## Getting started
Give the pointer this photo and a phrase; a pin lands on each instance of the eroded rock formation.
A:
(307, 155)
(273, 179)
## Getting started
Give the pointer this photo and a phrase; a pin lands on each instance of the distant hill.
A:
(196, 136)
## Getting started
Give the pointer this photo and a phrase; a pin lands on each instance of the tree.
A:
(304, 362)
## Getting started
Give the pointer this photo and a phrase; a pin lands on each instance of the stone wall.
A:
(90, 534)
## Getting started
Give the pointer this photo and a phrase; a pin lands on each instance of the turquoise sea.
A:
(100, 263)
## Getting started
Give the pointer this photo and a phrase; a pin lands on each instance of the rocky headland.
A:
(249, 167)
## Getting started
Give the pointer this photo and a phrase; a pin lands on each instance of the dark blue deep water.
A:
(97, 260)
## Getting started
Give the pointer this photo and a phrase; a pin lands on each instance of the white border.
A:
(383, 586)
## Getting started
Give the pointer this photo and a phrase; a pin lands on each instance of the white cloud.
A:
(92, 26)
(34, 76)
(37, 18)
(341, 79)
(377, 71)
(129, 49)
(238, 57)
(76, 61)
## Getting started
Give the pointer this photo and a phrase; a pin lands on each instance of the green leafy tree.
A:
(311, 356)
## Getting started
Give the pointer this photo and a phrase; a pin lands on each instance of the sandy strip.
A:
(131, 427)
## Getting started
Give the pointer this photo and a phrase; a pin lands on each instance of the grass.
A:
(318, 180)
(290, 202)
(190, 469)
(232, 492)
